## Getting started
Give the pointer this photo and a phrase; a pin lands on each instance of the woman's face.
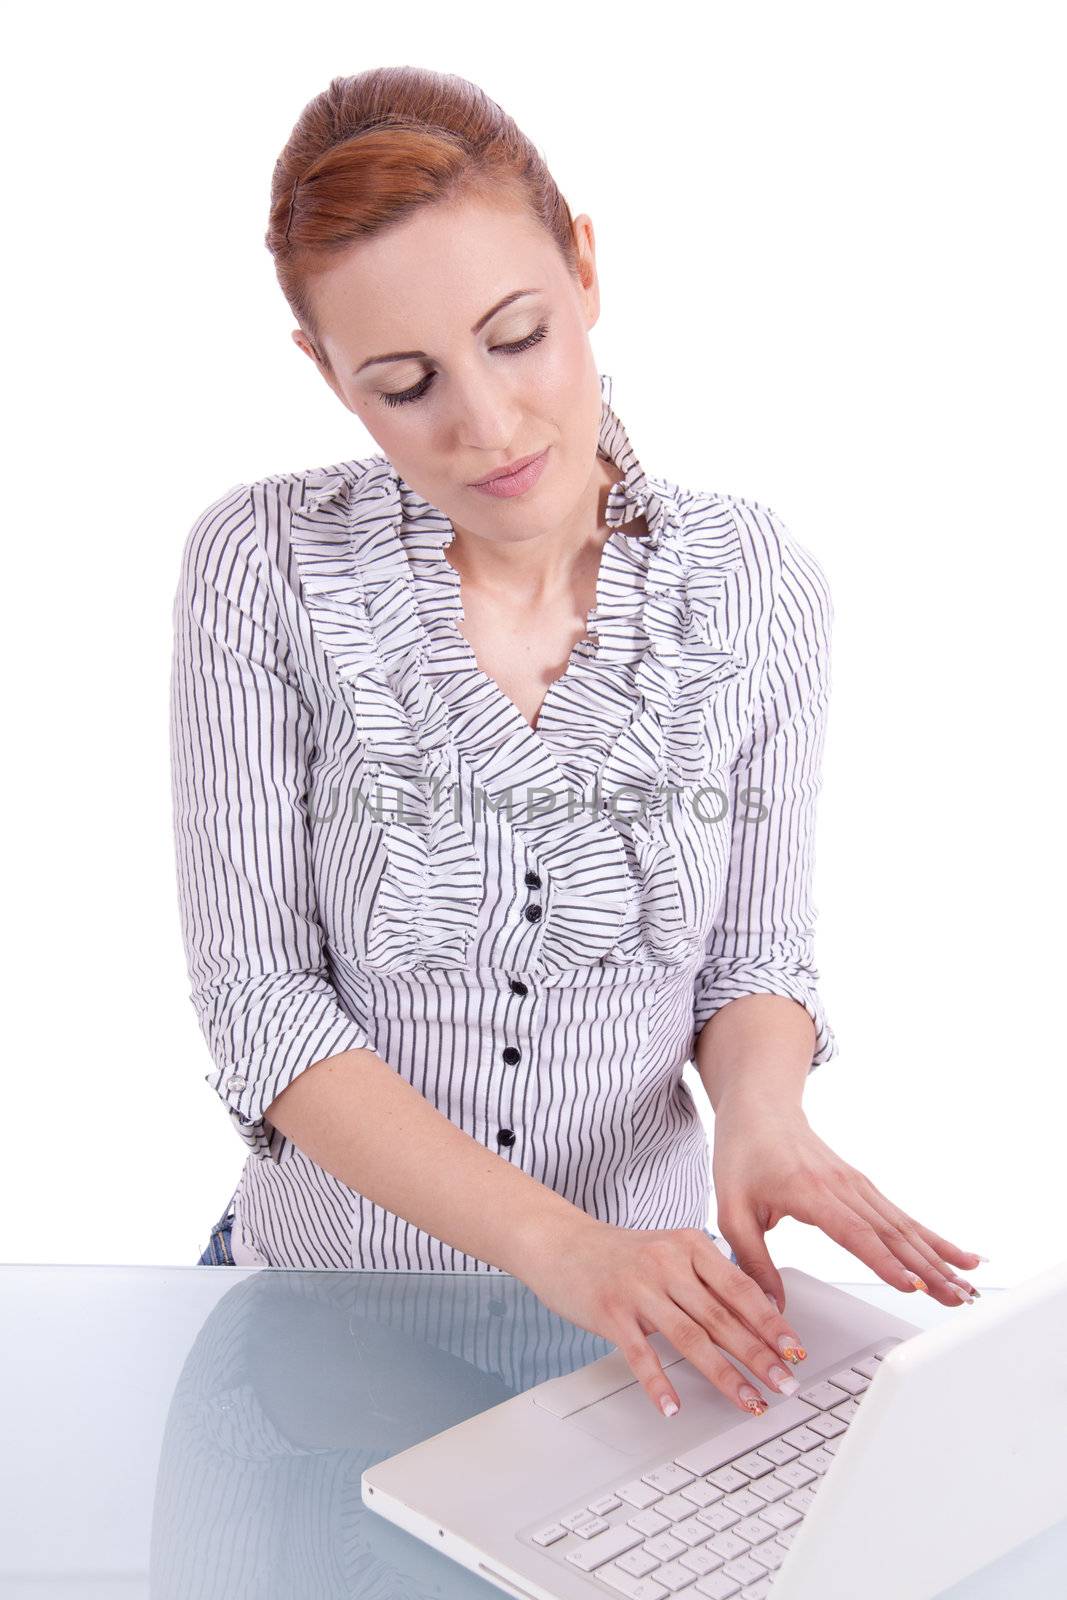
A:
(482, 391)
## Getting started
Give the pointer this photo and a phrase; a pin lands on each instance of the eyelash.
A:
(407, 396)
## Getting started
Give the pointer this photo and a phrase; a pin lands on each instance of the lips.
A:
(508, 471)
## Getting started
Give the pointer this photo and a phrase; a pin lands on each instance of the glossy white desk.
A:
(188, 1433)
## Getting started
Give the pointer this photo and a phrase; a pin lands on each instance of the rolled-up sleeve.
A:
(241, 735)
(762, 941)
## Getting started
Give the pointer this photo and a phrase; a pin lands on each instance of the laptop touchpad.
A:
(629, 1421)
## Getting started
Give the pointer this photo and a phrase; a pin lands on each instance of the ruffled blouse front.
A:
(377, 851)
(587, 790)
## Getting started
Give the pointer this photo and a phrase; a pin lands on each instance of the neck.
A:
(543, 568)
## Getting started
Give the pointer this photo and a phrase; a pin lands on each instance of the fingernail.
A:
(981, 1258)
(782, 1381)
(913, 1278)
(968, 1299)
(669, 1406)
(791, 1347)
(751, 1400)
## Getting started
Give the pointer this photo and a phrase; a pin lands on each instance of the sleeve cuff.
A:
(248, 1083)
(724, 980)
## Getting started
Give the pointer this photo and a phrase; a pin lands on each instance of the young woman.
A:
(495, 770)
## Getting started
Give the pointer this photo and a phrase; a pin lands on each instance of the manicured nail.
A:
(914, 1279)
(782, 1381)
(981, 1258)
(968, 1299)
(751, 1400)
(668, 1406)
(791, 1347)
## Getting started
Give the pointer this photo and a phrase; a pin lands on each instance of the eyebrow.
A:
(420, 355)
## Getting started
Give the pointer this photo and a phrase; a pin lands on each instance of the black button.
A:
(532, 880)
(505, 1136)
(511, 1055)
(532, 913)
(517, 987)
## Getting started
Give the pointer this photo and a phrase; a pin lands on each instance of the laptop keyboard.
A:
(714, 1521)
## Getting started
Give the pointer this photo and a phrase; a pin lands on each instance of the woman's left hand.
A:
(769, 1164)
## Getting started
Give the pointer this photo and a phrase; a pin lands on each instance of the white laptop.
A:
(909, 1459)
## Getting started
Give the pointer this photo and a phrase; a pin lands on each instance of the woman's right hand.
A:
(624, 1283)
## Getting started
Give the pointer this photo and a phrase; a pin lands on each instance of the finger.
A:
(854, 1232)
(710, 1323)
(750, 1247)
(630, 1338)
(944, 1249)
(904, 1238)
(750, 1301)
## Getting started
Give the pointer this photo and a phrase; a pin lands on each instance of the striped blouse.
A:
(376, 850)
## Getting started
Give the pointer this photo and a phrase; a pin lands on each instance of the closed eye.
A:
(406, 396)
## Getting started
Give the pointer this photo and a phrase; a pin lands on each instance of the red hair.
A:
(371, 149)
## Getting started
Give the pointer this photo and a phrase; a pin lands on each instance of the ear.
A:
(300, 339)
(586, 246)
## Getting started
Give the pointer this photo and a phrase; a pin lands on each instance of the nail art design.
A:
(751, 1400)
(782, 1381)
(914, 1278)
(791, 1347)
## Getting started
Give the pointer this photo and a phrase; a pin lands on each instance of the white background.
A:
(832, 276)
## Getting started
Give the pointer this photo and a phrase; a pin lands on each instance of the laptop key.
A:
(693, 1531)
(727, 1478)
(604, 1547)
(549, 1535)
(744, 1570)
(825, 1395)
(727, 1545)
(632, 1588)
(854, 1382)
(606, 1503)
(574, 1519)
(756, 1591)
(675, 1506)
(769, 1555)
(783, 1449)
(716, 1586)
(674, 1576)
(802, 1438)
(801, 1500)
(703, 1493)
(781, 1515)
(796, 1474)
(828, 1425)
(649, 1523)
(668, 1477)
(639, 1494)
(720, 1517)
(664, 1547)
(754, 1529)
(638, 1563)
(701, 1561)
(771, 1488)
(590, 1527)
(744, 1502)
